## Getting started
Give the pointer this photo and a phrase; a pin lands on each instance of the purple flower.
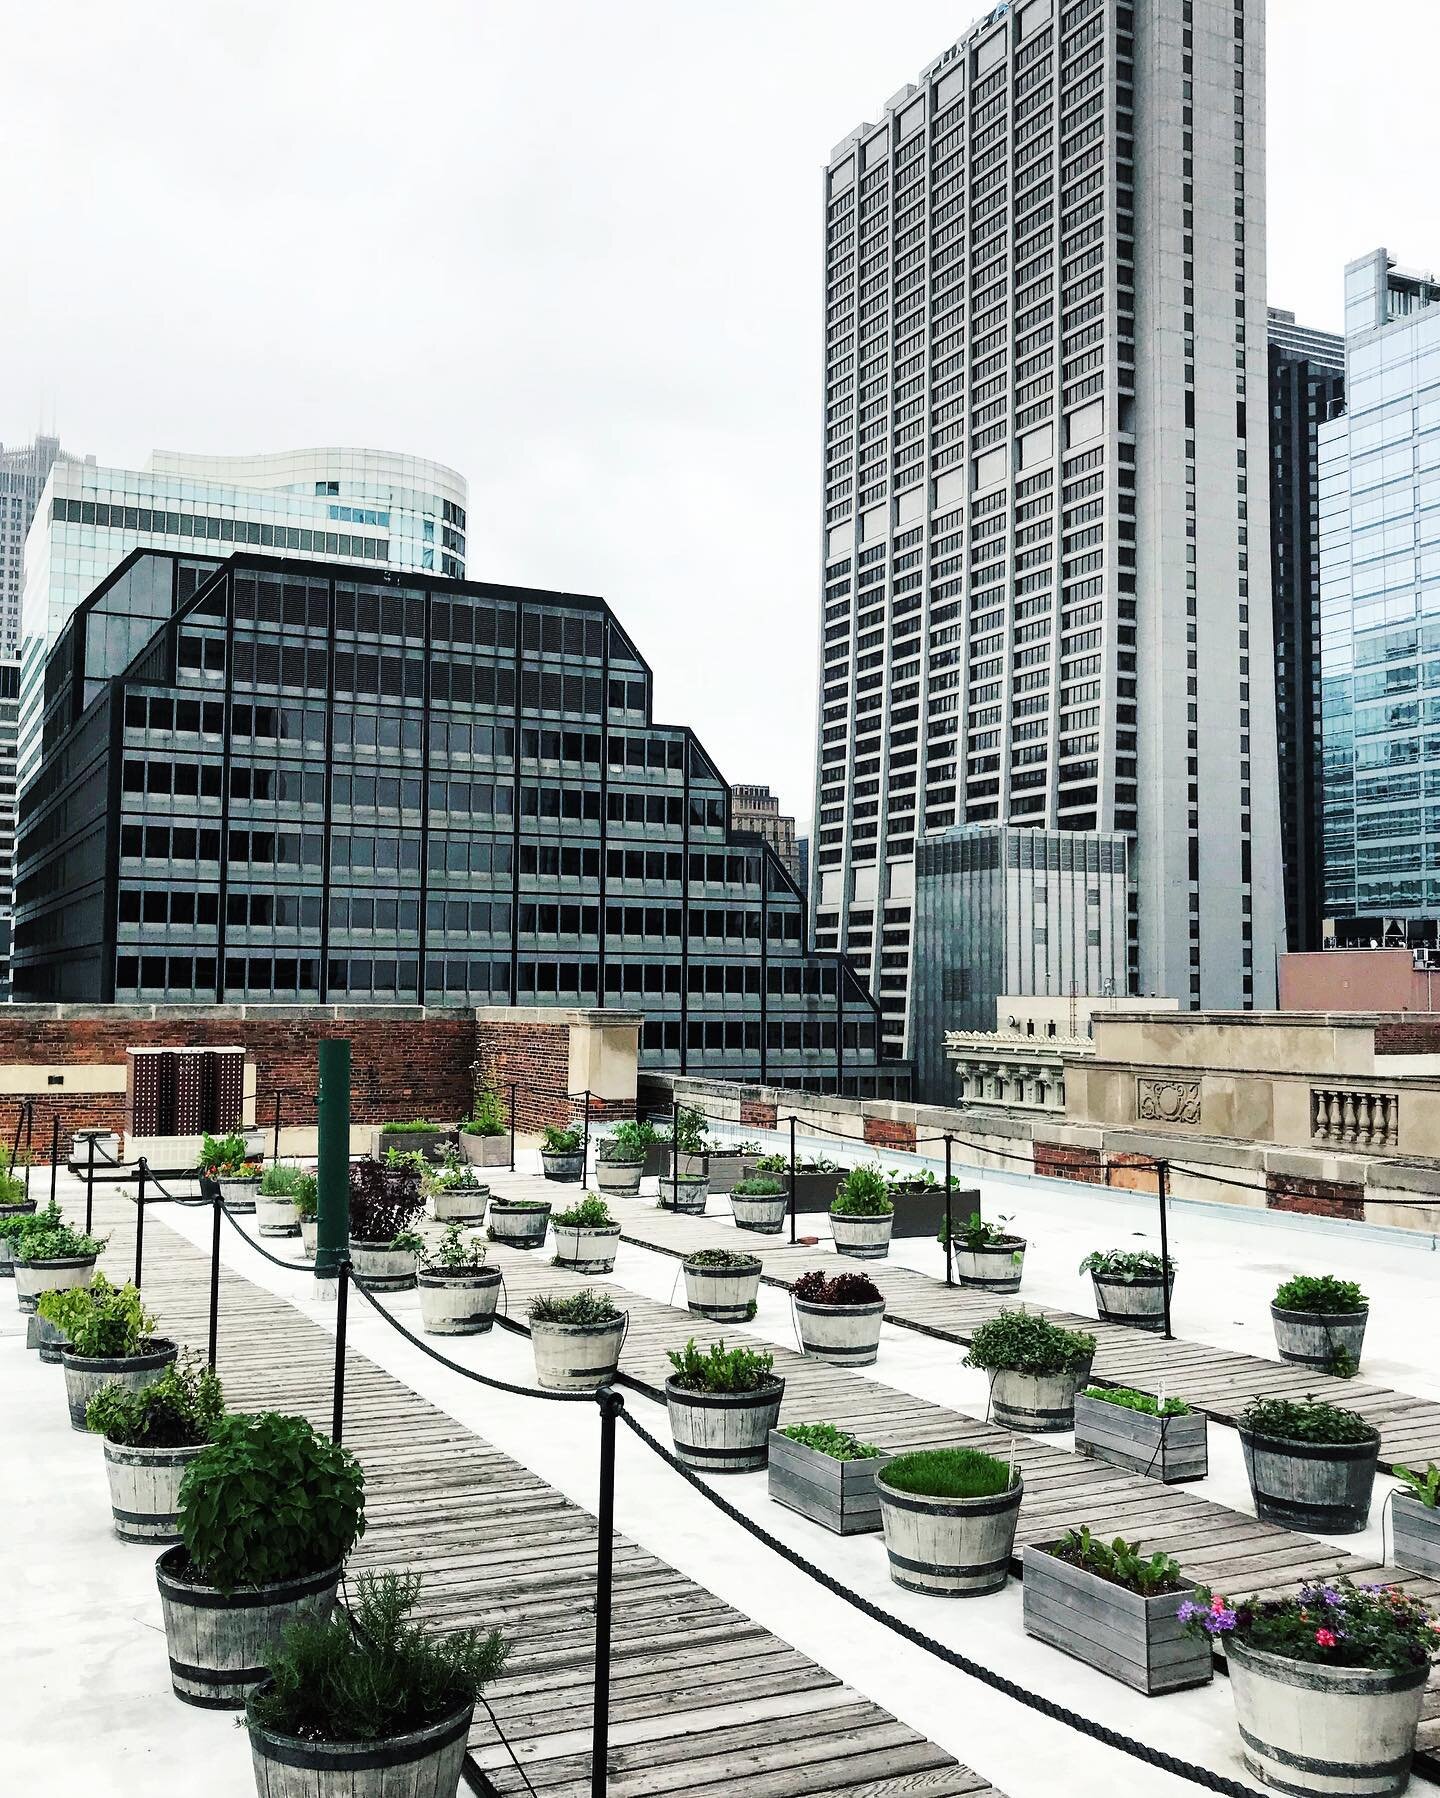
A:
(1190, 1610)
(1220, 1621)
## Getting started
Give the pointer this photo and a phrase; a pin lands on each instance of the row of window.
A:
(156, 523)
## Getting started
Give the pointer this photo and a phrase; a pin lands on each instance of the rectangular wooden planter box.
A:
(813, 1192)
(1139, 1641)
(415, 1142)
(922, 1213)
(657, 1163)
(1417, 1535)
(840, 1495)
(726, 1168)
(1136, 1441)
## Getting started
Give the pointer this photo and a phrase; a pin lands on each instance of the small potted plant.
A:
(987, 1257)
(151, 1435)
(1035, 1369)
(576, 1338)
(357, 1706)
(14, 1206)
(722, 1284)
(1161, 1439)
(457, 1193)
(49, 1256)
(519, 1223)
(817, 1178)
(416, 1136)
(562, 1154)
(827, 1475)
(385, 1203)
(949, 1517)
(586, 1237)
(920, 1202)
(861, 1214)
(723, 1405)
(1129, 1286)
(458, 1292)
(688, 1134)
(110, 1341)
(1329, 1685)
(1115, 1609)
(275, 1213)
(226, 1159)
(759, 1204)
(1416, 1519)
(306, 1200)
(620, 1158)
(838, 1319)
(485, 1137)
(1311, 1466)
(1320, 1323)
(268, 1513)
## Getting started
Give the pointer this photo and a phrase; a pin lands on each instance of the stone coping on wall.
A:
(601, 1016)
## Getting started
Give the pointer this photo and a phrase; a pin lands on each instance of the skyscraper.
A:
(1307, 383)
(1380, 603)
(756, 808)
(1045, 386)
(23, 473)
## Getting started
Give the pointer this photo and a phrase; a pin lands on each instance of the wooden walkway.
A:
(702, 1697)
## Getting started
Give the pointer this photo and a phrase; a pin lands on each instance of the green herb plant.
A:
(628, 1141)
(1125, 1265)
(179, 1410)
(306, 1197)
(1120, 1562)
(12, 1189)
(453, 1254)
(718, 1369)
(226, 1155)
(590, 1213)
(1321, 1293)
(762, 1187)
(689, 1131)
(409, 1242)
(948, 1473)
(1022, 1342)
(281, 1181)
(587, 1306)
(723, 1259)
(1424, 1486)
(826, 1439)
(99, 1320)
(1129, 1400)
(863, 1193)
(489, 1118)
(1306, 1420)
(979, 1233)
(46, 1236)
(452, 1173)
(560, 1142)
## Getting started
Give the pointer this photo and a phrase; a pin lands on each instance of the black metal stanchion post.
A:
(54, 1152)
(278, 1102)
(1162, 1181)
(949, 1219)
(29, 1141)
(792, 1176)
(90, 1184)
(217, 1201)
(140, 1218)
(342, 1308)
(674, 1154)
(585, 1148)
(512, 1126)
(611, 1404)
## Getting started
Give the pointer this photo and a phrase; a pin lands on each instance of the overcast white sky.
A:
(571, 247)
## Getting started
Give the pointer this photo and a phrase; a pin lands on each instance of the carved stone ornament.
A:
(1167, 1101)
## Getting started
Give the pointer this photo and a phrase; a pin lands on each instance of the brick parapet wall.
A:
(1064, 1161)
(1409, 1036)
(1315, 1198)
(887, 1133)
(758, 1114)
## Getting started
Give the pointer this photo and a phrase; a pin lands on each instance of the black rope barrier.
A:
(293, 1267)
(1008, 1688)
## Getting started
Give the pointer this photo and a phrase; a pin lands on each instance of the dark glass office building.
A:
(275, 780)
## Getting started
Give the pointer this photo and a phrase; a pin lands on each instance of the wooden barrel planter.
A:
(26, 1208)
(950, 1547)
(85, 1375)
(1308, 1728)
(687, 1194)
(1320, 1487)
(1417, 1534)
(48, 1339)
(53, 1273)
(275, 1216)
(218, 1641)
(1169, 1449)
(382, 1268)
(725, 1294)
(619, 1177)
(1311, 1338)
(145, 1490)
(567, 1165)
(485, 1151)
(848, 1335)
(239, 1194)
(1140, 1302)
(309, 1236)
(576, 1357)
(517, 1224)
(997, 1267)
(586, 1249)
(1137, 1640)
(461, 1204)
(861, 1238)
(1042, 1403)
(458, 1304)
(838, 1495)
(723, 1432)
(425, 1763)
(762, 1212)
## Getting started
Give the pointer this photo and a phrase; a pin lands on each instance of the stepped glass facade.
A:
(1045, 535)
(295, 780)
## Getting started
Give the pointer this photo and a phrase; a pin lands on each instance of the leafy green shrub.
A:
(1424, 1486)
(12, 1189)
(979, 1234)
(560, 1142)
(45, 1236)
(100, 1319)
(841, 1289)
(584, 1307)
(863, 1193)
(1125, 1265)
(723, 1258)
(1120, 1562)
(689, 1131)
(489, 1118)
(760, 1188)
(451, 1173)
(306, 1197)
(281, 1181)
(225, 1155)
(1022, 1342)
(590, 1213)
(270, 1499)
(1306, 1420)
(840, 1445)
(1138, 1401)
(453, 1254)
(375, 1674)
(384, 1200)
(947, 1473)
(179, 1410)
(628, 1141)
(719, 1369)
(416, 1127)
(804, 1164)
(1321, 1293)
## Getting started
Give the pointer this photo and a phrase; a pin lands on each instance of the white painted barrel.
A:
(1312, 1729)
(1311, 1338)
(240, 1195)
(759, 1212)
(145, 1490)
(1140, 1302)
(85, 1375)
(723, 1432)
(461, 1204)
(275, 1216)
(1038, 1402)
(848, 1335)
(995, 1268)
(724, 1294)
(25, 1209)
(687, 1194)
(862, 1238)
(518, 1226)
(56, 1273)
(1323, 1488)
(568, 1167)
(423, 1763)
(620, 1177)
(309, 1235)
(458, 1304)
(586, 1250)
(576, 1357)
(952, 1547)
(382, 1268)
(218, 1642)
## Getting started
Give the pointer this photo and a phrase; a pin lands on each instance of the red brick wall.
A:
(887, 1134)
(1316, 1198)
(1062, 1161)
(758, 1114)
(1134, 1172)
(1415, 1036)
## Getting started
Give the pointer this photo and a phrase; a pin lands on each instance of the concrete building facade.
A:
(1045, 430)
(756, 808)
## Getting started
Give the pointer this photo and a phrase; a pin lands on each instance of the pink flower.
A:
(1325, 1638)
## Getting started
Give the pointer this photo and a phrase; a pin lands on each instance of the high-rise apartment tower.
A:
(1045, 430)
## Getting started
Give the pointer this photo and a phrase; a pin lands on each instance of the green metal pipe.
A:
(332, 1108)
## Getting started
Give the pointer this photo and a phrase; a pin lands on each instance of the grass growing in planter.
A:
(843, 1289)
(584, 1307)
(100, 1320)
(718, 1369)
(761, 1187)
(179, 1410)
(1120, 1562)
(826, 1439)
(1330, 1624)
(1422, 1486)
(1138, 1401)
(453, 1254)
(863, 1193)
(489, 1118)
(416, 1127)
(1021, 1342)
(375, 1674)
(948, 1473)
(590, 1214)
(385, 1199)
(1321, 1293)
(1305, 1420)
